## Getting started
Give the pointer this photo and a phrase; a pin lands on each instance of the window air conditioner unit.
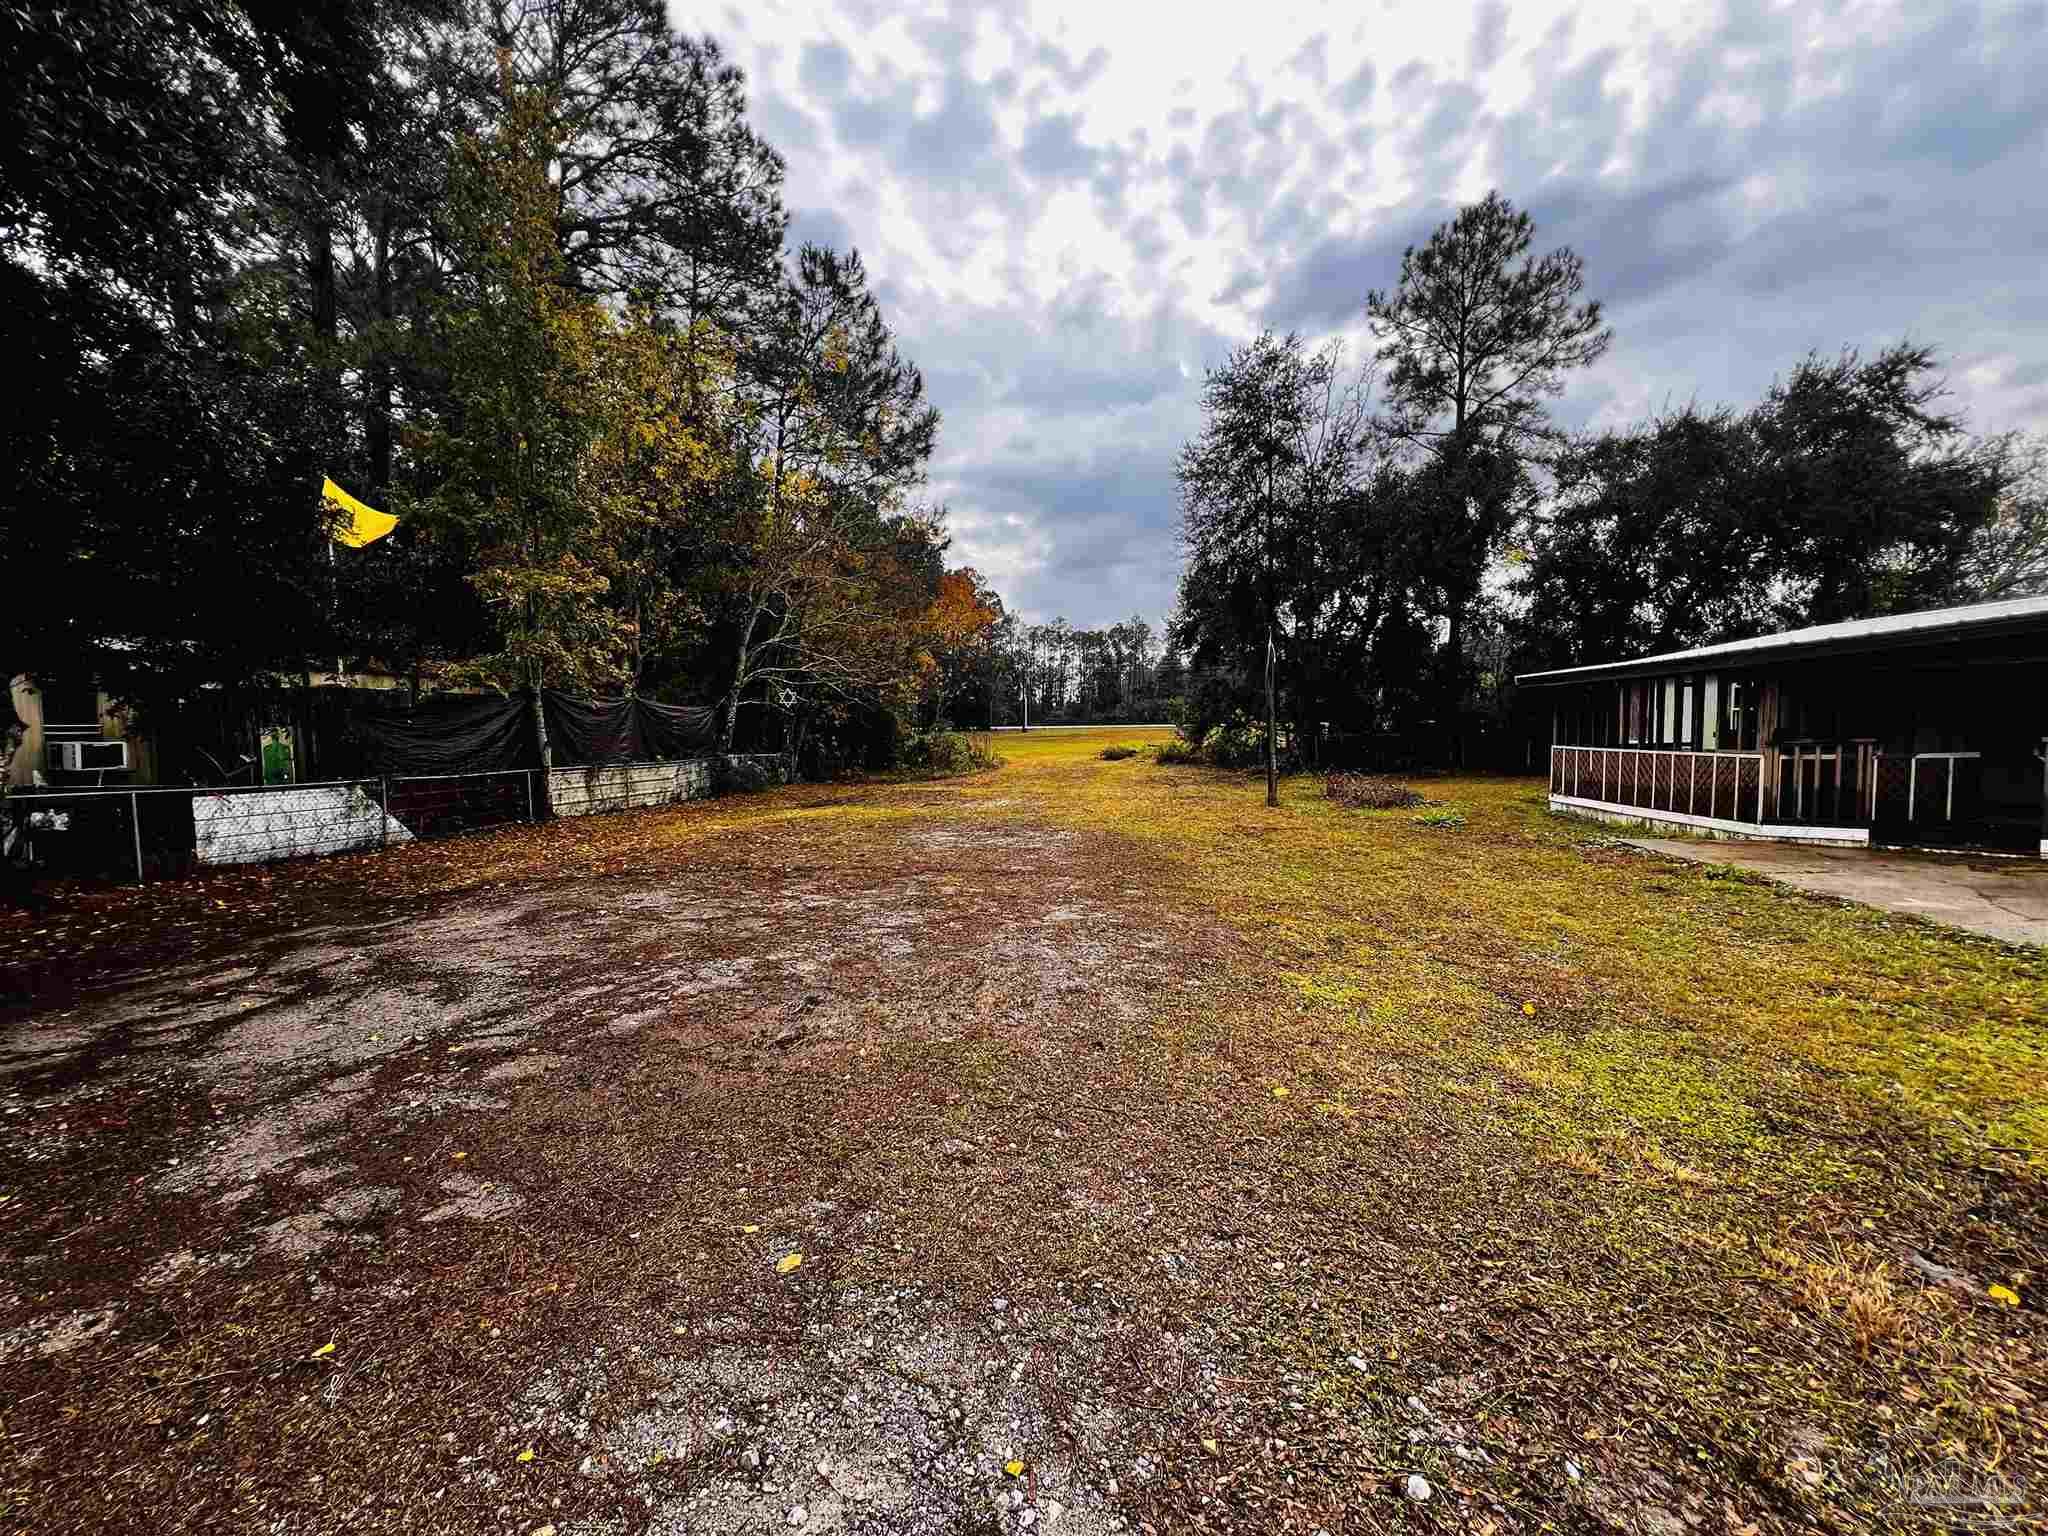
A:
(87, 756)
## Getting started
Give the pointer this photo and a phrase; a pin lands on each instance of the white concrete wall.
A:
(628, 786)
(625, 786)
(1711, 826)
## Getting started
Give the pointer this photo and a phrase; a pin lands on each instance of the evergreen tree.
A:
(1473, 345)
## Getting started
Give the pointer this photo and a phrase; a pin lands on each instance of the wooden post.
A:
(1767, 765)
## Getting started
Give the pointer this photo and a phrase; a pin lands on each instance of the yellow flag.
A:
(366, 525)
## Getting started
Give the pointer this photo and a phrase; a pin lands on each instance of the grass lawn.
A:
(1669, 1139)
(1305, 1150)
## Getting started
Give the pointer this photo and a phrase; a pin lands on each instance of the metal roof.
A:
(2013, 615)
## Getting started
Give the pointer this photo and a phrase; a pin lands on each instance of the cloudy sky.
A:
(1072, 207)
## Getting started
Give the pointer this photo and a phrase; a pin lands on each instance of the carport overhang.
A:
(2016, 626)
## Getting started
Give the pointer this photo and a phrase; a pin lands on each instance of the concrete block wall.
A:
(630, 786)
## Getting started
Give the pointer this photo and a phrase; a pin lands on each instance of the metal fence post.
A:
(135, 826)
(528, 776)
(384, 811)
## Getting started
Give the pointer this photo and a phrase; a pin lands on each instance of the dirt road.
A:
(532, 1158)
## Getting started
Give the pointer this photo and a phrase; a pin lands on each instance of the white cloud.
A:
(1077, 206)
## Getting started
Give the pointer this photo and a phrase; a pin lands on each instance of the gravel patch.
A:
(888, 1414)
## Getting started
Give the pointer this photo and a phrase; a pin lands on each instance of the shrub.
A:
(1370, 792)
(942, 753)
(1240, 742)
(1118, 754)
(732, 775)
(1210, 700)
(1445, 818)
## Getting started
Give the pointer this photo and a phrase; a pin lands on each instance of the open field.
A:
(1211, 1167)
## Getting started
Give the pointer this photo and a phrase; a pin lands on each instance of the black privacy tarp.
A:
(444, 733)
(447, 734)
(676, 730)
(626, 730)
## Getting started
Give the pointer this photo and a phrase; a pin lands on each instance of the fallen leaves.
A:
(1422, 1012)
(323, 1351)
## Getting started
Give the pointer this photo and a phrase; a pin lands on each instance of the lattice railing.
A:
(1722, 786)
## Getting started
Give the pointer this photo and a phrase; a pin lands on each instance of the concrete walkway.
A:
(2000, 898)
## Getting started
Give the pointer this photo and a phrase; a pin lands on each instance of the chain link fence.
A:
(145, 834)
(149, 833)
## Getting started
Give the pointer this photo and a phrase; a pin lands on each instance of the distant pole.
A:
(135, 826)
(1272, 727)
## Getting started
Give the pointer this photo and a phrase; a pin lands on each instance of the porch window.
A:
(1738, 715)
